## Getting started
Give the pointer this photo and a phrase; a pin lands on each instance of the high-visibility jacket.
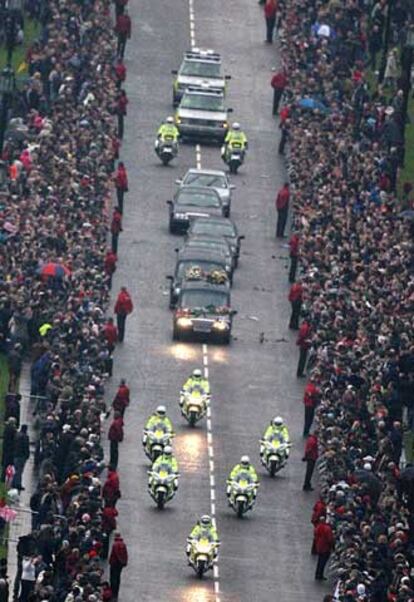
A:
(192, 382)
(168, 129)
(236, 136)
(170, 460)
(154, 419)
(200, 532)
(273, 430)
(239, 468)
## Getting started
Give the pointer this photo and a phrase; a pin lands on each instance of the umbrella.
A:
(54, 270)
(312, 104)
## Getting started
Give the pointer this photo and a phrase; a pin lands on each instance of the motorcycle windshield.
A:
(243, 480)
(275, 441)
(203, 546)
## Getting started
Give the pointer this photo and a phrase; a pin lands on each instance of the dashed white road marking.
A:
(210, 443)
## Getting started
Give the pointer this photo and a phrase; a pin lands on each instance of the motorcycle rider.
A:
(277, 428)
(159, 416)
(203, 528)
(168, 128)
(243, 467)
(168, 458)
(196, 380)
(234, 135)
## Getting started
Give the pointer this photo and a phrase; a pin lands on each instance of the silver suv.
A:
(198, 67)
(201, 114)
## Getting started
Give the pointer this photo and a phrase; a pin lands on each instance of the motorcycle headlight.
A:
(220, 325)
(184, 322)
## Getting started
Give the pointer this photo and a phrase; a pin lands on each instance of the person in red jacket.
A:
(270, 10)
(303, 342)
(110, 265)
(116, 229)
(123, 31)
(310, 401)
(123, 307)
(118, 560)
(110, 334)
(111, 491)
(115, 436)
(324, 543)
(278, 82)
(120, 72)
(121, 185)
(121, 400)
(295, 298)
(294, 256)
(282, 207)
(310, 457)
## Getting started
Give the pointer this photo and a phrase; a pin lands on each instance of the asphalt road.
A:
(266, 555)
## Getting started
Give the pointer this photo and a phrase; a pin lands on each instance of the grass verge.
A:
(31, 32)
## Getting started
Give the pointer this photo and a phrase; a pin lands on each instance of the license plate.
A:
(202, 327)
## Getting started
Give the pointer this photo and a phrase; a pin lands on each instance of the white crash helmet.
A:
(205, 520)
(169, 119)
(235, 126)
(278, 421)
(197, 373)
(167, 450)
(245, 461)
(161, 410)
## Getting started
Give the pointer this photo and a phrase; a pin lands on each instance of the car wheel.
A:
(225, 338)
(227, 211)
(175, 334)
(172, 228)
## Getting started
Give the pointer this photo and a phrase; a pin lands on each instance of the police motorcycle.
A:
(202, 550)
(241, 493)
(194, 403)
(233, 151)
(166, 145)
(162, 483)
(155, 439)
(274, 453)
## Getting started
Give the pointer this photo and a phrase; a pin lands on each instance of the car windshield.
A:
(202, 102)
(206, 266)
(203, 179)
(198, 199)
(205, 298)
(208, 244)
(213, 228)
(199, 68)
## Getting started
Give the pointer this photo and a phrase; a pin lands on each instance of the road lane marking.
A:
(210, 447)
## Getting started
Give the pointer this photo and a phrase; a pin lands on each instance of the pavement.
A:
(21, 525)
(267, 554)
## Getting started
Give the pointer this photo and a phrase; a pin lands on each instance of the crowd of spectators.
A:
(60, 151)
(354, 237)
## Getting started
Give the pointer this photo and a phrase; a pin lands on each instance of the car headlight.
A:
(220, 325)
(177, 120)
(182, 216)
(184, 322)
(225, 125)
(177, 290)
